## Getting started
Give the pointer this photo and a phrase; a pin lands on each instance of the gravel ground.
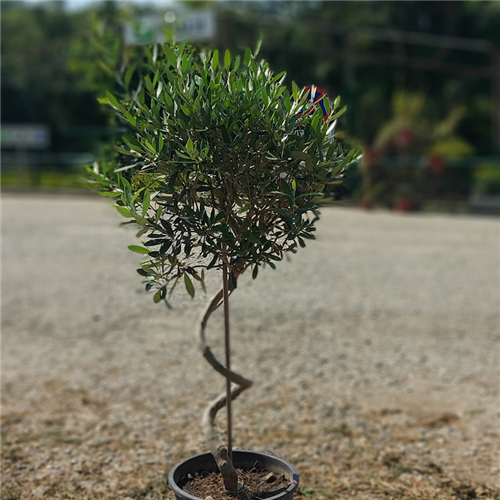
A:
(375, 354)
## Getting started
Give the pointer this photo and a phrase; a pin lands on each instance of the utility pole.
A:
(110, 9)
(349, 81)
(495, 91)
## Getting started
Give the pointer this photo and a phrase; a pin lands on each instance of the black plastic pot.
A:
(242, 459)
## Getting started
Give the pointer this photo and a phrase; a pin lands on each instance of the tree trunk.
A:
(219, 451)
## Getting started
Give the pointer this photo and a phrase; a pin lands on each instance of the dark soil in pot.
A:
(261, 476)
(255, 484)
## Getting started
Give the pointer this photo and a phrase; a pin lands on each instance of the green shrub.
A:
(487, 180)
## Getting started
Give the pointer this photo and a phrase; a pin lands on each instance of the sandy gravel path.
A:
(385, 333)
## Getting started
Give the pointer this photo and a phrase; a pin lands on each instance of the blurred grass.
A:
(48, 180)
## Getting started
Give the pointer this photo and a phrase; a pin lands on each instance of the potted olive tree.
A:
(222, 169)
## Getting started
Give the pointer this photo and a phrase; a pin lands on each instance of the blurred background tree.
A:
(38, 81)
(56, 59)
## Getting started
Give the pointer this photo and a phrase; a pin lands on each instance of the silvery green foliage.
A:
(221, 168)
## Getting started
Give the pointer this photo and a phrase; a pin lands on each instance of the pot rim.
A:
(294, 481)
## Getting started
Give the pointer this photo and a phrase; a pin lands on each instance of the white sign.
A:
(25, 136)
(198, 26)
(193, 26)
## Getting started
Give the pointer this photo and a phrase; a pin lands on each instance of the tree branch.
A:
(219, 451)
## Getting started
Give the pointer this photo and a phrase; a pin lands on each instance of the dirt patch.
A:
(374, 355)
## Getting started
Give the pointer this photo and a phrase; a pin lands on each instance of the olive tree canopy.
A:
(222, 164)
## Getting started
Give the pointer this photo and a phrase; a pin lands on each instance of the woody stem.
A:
(228, 360)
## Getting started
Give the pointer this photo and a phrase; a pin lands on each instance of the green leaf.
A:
(215, 61)
(287, 103)
(112, 99)
(328, 106)
(213, 262)
(155, 53)
(287, 189)
(255, 271)
(138, 249)
(136, 195)
(159, 212)
(227, 59)
(157, 296)
(331, 151)
(159, 89)
(165, 247)
(170, 55)
(150, 146)
(279, 77)
(237, 63)
(126, 184)
(301, 155)
(124, 211)
(132, 119)
(124, 151)
(189, 285)
(146, 202)
(182, 46)
(128, 75)
(168, 99)
(186, 63)
(339, 113)
(257, 48)
(133, 143)
(149, 84)
(172, 181)
(265, 97)
(156, 78)
(248, 56)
